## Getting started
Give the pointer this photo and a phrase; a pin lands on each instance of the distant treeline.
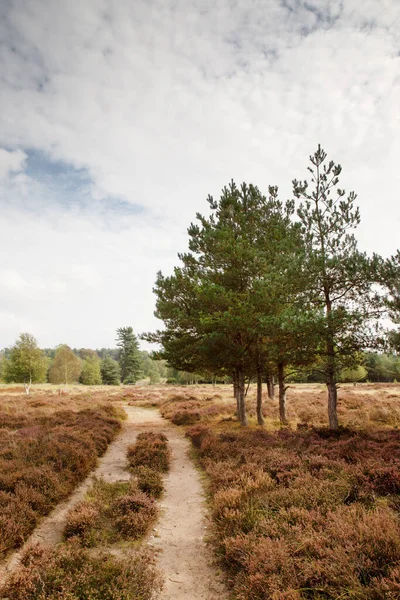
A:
(26, 363)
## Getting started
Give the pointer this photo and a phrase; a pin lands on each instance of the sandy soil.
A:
(178, 538)
(184, 557)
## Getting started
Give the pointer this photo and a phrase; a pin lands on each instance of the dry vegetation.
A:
(71, 572)
(113, 512)
(300, 513)
(112, 515)
(47, 446)
(360, 406)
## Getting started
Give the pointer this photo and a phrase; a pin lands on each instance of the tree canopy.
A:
(260, 289)
(128, 356)
(66, 366)
(26, 364)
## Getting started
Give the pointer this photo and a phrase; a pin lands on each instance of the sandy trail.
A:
(183, 556)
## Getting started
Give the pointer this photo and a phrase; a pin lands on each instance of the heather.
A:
(43, 456)
(111, 513)
(70, 572)
(307, 514)
(364, 405)
(151, 450)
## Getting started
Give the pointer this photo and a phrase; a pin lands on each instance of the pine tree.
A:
(129, 355)
(110, 371)
(207, 305)
(340, 278)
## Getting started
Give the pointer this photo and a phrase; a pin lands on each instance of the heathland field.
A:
(296, 512)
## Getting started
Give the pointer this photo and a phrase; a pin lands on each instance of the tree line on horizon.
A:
(26, 363)
(271, 289)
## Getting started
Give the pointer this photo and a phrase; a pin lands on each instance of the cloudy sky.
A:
(119, 117)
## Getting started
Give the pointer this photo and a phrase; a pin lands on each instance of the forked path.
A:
(183, 556)
(112, 467)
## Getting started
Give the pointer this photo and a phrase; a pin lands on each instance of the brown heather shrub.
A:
(150, 450)
(83, 521)
(43, 462)
(306, 514)
(197, 434)
(69, 572)
(110, 513)
(149, 481)
(134, 514)
(17, 520)
(185, 417)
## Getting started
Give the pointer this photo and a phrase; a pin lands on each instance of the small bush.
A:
(151, 450)
(149, 481)
(188, 417)
(71, 573)
(82, 521)
(134, 514)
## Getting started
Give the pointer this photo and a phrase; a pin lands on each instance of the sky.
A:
(119, 117)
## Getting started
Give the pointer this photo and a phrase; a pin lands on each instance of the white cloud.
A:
(11, 162)
(162, 102)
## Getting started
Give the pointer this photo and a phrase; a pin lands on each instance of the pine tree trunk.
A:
(332, 398)
(270, 386)
(236, 393)
(330, 371)
(241, 398)
(260, 419)
(282, 394)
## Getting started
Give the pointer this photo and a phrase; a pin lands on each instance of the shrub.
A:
(111, 512)
(188, 417)
(70, 572)
(151, 450)
(301, 514)
(42, 463)
(82, 520)
(149, 481)
(134, 514)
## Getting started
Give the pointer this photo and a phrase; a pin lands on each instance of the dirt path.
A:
(179, 536)
(184, 557)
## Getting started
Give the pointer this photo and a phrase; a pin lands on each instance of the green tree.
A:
(129, 355)
(26, 363)
(354, 374)
(211, 322)
(341, 278)
(154, 374)
(110, 371)
(66, 366)
(2, 364)
(90, 374)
